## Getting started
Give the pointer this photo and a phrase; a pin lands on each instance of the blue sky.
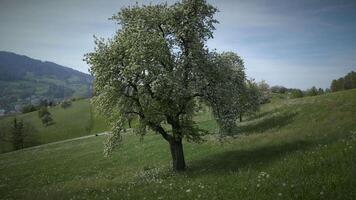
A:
(293, 43)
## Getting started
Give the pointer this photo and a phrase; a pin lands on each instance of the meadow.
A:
(292, 149)
(75, 121)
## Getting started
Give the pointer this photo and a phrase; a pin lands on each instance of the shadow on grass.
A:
(259, 115)
(233, 160)
(269, 120)
(222, 163)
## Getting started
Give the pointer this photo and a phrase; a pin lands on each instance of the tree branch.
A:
(150, 92)
(160, 130)
(186, 102)
(161, 29)
(134, 112)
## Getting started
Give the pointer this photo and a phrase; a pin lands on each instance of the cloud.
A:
(291, 43)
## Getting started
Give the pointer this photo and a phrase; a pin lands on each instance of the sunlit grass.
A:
(305, 151)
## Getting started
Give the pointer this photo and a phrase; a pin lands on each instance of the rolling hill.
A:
(292, 149)
(24, 80)
(75, 121)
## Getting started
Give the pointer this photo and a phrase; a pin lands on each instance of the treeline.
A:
(344, 83)
(43, 103)
(47, 103)
(298, 93)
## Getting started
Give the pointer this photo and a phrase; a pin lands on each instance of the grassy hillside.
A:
(293, 149)
(75, 121)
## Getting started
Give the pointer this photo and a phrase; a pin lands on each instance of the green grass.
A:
(75, 121)
(292, 149)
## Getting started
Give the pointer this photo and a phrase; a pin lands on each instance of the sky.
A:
(293, 43)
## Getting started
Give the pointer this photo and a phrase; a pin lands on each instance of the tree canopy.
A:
(157, 68)
(344, 83)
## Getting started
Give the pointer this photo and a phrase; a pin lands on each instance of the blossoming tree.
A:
(157, 69)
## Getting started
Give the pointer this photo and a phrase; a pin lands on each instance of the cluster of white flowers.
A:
(348, 142)
(149, 176)
(200, 185)
(353, 135)
(262, 176)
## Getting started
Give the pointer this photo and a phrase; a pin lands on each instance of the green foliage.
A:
(321, 91)
(157, 69)
(21, 134)
(350, 80)
(344, 83)
(47, 119)
(75, 121)
(296, 93)
(28, 108)
(250, 98)
(17, 131)
(45, 116)
(279, 89)
(43, 111)
(265, 92)
(312, 91)
(66, 104)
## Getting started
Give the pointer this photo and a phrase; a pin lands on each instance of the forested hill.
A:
(24, 80)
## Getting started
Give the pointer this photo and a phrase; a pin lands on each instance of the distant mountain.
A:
(24, 80)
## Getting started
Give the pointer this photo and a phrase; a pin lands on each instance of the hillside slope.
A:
(25, 80)
(293, 149)
(76, 121)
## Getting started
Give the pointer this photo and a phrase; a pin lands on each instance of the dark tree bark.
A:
(129, 123)
(177, 153)
(175, 144)
(240, 117)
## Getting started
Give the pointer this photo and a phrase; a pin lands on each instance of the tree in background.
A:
(45, 116)
(47, 120)
(279, 89)
(28, 108)
(18, 134)
(297, 93)
(265, 92)
(312, 91)
(158, 68)
(43, 111)
(250, 99)
(66, 104)
(350, 81)
(345, 83)
(321, 91)
(337, 85)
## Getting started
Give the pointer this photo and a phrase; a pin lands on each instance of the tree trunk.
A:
(130, 123)
(240, 117)
(178, 161)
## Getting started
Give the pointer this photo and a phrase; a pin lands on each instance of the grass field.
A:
(75, 121)
(292, 149)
